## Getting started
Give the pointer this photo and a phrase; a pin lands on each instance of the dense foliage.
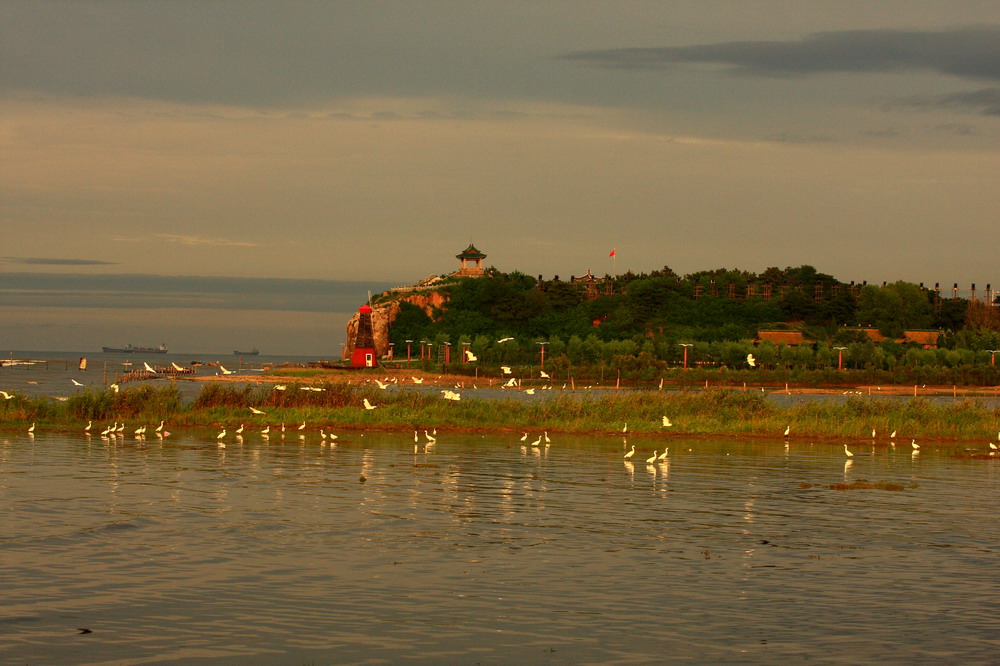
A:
(637, 323)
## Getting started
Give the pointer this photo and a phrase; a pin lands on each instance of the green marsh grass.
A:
(695, 412)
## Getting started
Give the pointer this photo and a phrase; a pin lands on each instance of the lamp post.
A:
(408, 352)
(422, 343)
(840, 357)
(686, 345)
(447, 353)
(993, 355)
(542, 346)
(392, 350)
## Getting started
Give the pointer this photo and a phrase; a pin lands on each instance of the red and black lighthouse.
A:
(364, 343)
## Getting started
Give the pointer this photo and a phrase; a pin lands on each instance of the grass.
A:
(702, 412)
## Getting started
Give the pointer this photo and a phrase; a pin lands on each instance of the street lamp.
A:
(542, 346)
(422, 343)
(686, 345)
(447, 353)
(408, 352)
(993, 355)
(840, 357)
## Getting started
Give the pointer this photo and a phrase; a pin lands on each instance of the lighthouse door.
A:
(369, 360)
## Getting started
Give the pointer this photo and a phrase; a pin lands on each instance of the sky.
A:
(217, 175)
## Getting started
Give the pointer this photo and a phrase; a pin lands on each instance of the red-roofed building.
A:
(790, 338)
(926, 339)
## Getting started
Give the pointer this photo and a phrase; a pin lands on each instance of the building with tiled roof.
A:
(790, 338)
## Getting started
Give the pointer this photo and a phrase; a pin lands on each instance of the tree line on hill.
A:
(647, 316)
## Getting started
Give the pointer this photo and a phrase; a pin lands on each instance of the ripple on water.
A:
(476, 551)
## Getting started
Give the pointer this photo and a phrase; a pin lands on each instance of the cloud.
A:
(160, 291)
(181, 239)
(202, 240)
(970, 53)
(47, 261)
(985, 101)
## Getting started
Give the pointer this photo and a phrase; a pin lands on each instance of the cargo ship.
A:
(132, 349)
(252, 352)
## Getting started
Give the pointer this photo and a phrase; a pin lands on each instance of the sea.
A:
(455, 548)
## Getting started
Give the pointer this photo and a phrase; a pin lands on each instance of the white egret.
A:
(788, 429)
(221, 434)
(32, 428)
(663, 456)
(6, 396)
(666, 422)
(369, 405)
(652, 459)
(149, 368)
(751, 361)
(75, 383)
(254, 410)
(417, 380)
(914, 444)
(630, 453)
(524, 437)
(849, 454)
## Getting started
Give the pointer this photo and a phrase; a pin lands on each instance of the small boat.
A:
(132, 349)
(252, 352)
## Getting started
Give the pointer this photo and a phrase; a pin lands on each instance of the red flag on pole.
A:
(612, 253)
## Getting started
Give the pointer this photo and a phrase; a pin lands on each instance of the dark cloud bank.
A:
(972, 53)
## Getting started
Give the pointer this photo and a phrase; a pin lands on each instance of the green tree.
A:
(894, 308)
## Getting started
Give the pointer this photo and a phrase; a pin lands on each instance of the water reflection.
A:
(476, 549)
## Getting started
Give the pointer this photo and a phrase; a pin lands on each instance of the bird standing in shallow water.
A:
(630, 453)
(652, 458)
(849, 454)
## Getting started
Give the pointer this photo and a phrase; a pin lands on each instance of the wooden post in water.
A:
(914, 390)
(618, 379)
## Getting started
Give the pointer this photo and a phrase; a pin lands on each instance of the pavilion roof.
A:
(470, 253)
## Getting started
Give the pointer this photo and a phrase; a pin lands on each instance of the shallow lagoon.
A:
(476, 550)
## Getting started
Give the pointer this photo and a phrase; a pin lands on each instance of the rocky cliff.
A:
(385, 311)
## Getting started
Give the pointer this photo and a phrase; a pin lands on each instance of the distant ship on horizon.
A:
(252, 352)
(132, 349)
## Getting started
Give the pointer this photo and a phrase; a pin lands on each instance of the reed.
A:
(701, 412)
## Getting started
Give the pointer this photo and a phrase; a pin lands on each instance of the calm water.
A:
(475, 550)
